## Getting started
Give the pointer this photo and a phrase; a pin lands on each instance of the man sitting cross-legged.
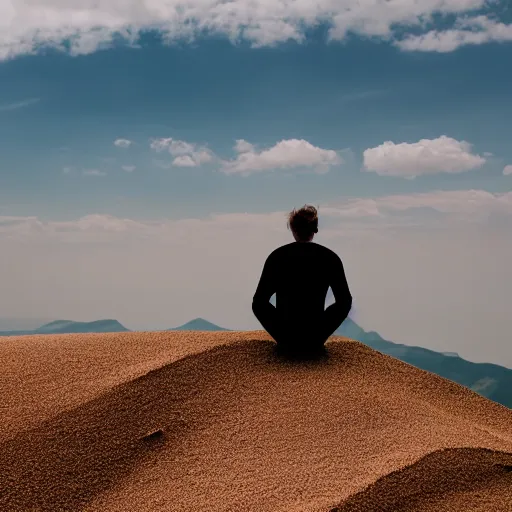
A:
(300, 273)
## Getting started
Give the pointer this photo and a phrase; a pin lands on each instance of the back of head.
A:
(303, 223)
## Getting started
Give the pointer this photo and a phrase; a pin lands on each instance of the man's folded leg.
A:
(268, 317)
(301, 338)
(299, 333)
(308, 334)
(332, 318)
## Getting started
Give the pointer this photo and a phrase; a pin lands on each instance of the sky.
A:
(151, 150)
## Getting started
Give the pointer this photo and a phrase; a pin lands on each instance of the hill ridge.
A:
(488, 379)
(441, 472)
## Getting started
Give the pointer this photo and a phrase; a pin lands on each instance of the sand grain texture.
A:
(239, 428)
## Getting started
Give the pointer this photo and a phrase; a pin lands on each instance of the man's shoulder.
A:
(324, 249)
(282, 248)
(328, 254)
(277, 253)
(294, 246)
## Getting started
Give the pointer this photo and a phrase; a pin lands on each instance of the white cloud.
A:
(184, 161)
(203, 156)
(185, 154)
(507, 170)
(175, 147)
(286, 154)
(128, 168)
(123, 143)
(87, 26)
(18, 104)
(467, 31)
(93, 172)
(428, 156)
(242, 146)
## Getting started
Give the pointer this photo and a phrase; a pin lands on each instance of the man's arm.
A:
(266, 286)
(340, 290)
(264, 311)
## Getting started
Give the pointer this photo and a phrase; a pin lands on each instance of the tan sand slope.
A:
(458, 479)
(243, 429)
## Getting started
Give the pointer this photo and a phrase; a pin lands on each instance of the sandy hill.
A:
(489, 380)
(242, 429)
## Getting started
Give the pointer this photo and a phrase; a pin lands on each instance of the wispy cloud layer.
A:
(18, 104)
(461, 205)
(93, 172)
(355, 215)
(507, 170)
(467, 31)
(87, 26)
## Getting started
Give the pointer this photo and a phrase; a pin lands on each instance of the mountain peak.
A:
(199, 324)
(70, 326)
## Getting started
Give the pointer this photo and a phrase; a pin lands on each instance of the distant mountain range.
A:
(489, 380)
(108, 325)
(69, 327)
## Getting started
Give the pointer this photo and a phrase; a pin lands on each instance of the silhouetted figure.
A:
(300, 273)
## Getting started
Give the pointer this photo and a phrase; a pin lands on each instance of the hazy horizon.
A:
(151, 153)
(8, 324)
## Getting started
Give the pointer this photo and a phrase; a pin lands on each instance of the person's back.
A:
(300, 273)
(303, 278)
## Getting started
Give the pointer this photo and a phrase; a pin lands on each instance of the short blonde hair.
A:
(303, 222)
